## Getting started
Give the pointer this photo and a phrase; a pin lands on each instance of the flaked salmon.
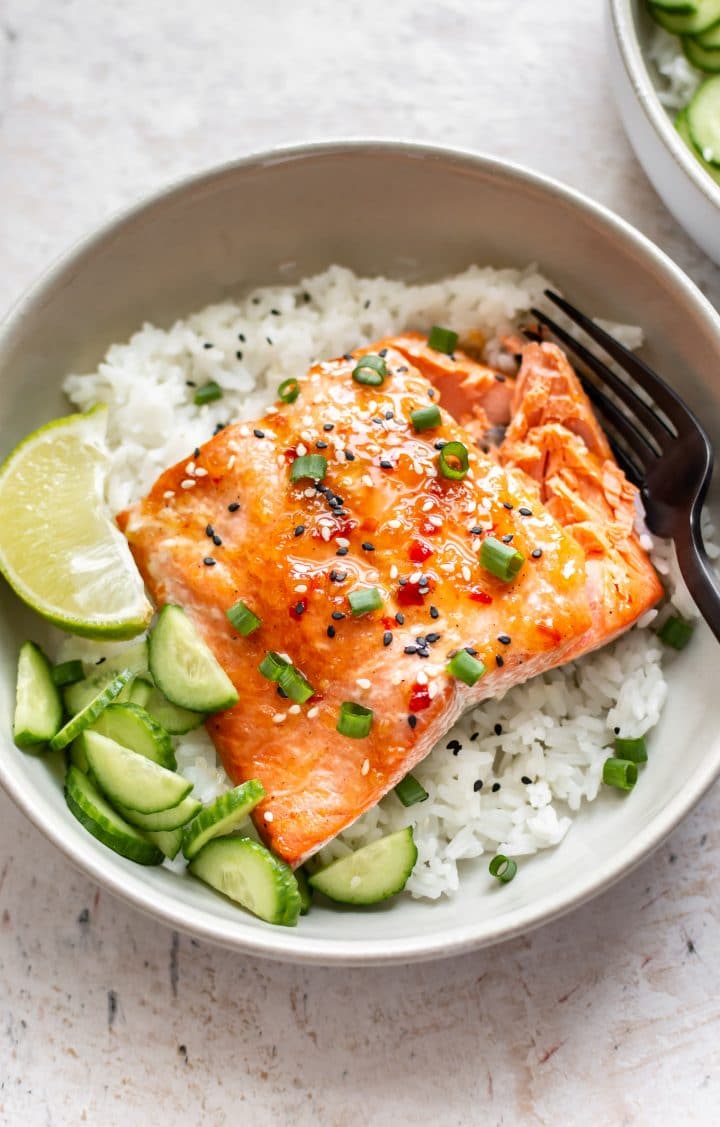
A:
(228, 523)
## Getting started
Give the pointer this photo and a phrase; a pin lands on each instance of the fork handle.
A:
(698, 572)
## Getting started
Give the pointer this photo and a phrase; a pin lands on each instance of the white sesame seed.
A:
(200, 472)
(428, 506)
(168, 494)
(365, 767)
(394, 524)
(421, 678)
(309, 492)
(301, 450)
(447, 567)
(231, 461)
(244, 431)
(325, 533)
(372, 406)
(306, 436)
(268, 815)
(363, 682)
(393, 571)
(470, 506)
(301, 588)
(190, 468)
(436, 521)
(415, 577)
(307, 420)
(476, 545)
(279, 718)
(367, 480)
(342, 542)
(294, 709)
(188, 483)
(432, 690)
(313, 712)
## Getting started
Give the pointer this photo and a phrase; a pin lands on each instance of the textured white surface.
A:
(610, 1016)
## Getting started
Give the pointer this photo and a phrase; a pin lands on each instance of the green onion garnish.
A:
(67, 673)
(620, 773)
(365, 599)
(207, 393)
(309, 465)
(442, 340)
(465, 667)
(272, 666)
(289, 390)
(410, 791)
(459, 454)
(676, 633)
(294, 685)
(501, 560)
(370, 370)
(425, 418)
(634, 750)
(502, 868)
(242, 618)
(354, 720)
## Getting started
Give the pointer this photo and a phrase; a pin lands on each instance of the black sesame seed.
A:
(219, 427)
(339, 499)
(421, 640)
(299, 608)
(434, 612)
(216, 540)
(498, 729)
(616, 731)
(383, 352)
(275, 312)
(433, 638)
(440, 443)
(507, 505)
(233, 506)
(281, 692)
(207, 344)
(349, 456)
(259, 433)
(331, 631)
(536, 553)
(508, 538)
(338, 615)
(453, 745)
(495, 788)
(338, 576)
(526, 780)
(402, 582)
(422, 652)
(474, 736)
(256, 301)
(470, 650)
(321, 445)
(367, 303)
(524, 511)
(403, 368)
(238, 355)
(307, 297)
(196, 452)
(476, 529)
(410, 650)
(368, 547)
(477, 785)
(389, 415)
(100, 660)
(334, 503)
(209, 530)
(378, 422)
(412, 721)
(209, 561)
(299, 529)
(504, 639)
(341, 552)
(269, 340)
(499, 378)
(400, 618)
(431, 392)
(241, 336)
(385, 464)
(191, 383)
(499, 661)
(387, 638)
(328, 426)
(347, 355)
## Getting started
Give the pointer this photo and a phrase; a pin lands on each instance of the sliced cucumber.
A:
(248, 873)
(67, 673)
(184, 668)
(306, 892)
(38, 707)
(89, 714)
(173, 719)
(171, 819)
(131, 726)
(705, 15)
(372, 873)
(222, 816)
(704, 58)
(709, 38)
(684, 6)
(703, 119)
(91, 809)
(682, 127)
(131, 780)
(134, 658)
(168, 841)
(140, 692)
(77, 754)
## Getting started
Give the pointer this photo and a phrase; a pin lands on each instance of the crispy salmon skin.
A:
(229, 523)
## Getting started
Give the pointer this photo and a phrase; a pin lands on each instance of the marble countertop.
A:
(610, 1016)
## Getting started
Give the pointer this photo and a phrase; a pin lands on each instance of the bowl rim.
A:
(638, 75)
(286, 944)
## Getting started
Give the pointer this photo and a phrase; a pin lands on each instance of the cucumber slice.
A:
(171, 819)
(77, 755)
(372, 873)
(132, 780)
(704, 58)
(706, 14)
(168, 841)
(709, 38)
(184, 668)
(89, 714)
(67, 673)
(134, 658)
(682, 127)
(132, 727)
(685, 7)
(248, 873)
(306, 892)
(703, 119)
(222, 816)
(91, 809)
(38, 707)
(140, 692)
(173, 719)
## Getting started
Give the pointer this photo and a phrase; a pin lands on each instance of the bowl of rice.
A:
(243, 276)
(653, 82)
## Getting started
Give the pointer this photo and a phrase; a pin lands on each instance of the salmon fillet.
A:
(228, 524)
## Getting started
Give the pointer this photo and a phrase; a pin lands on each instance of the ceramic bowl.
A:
(415, 213)
(685, 188)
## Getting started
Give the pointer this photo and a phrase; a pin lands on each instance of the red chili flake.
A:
(369, 524)
(427, 529)
(419, 552)
(409, 595)
(291, 455)
(293, 611)
(419, 698)
(479, 596)
(345, 528)
(389, 623)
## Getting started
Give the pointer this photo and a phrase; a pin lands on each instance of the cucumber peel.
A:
(222, 816)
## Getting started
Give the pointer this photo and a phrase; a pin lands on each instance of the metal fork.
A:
(660, 445)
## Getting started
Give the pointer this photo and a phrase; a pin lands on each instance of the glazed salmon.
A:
(228, 523)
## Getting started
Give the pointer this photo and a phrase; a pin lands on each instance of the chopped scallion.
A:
(442, 340)
(272, 666)
(68, 673)
(501, 560)
(289, 390)
(207, 393)
(456, 469)
(309, 465)
(620, 773)
(294, 685)
(465, 667)
(502, 868)
(676, 633)
(370, 370)
(364, 600)
(410, 791)
(425, 418)
(242, 618)
(354, 720)
(634, 750)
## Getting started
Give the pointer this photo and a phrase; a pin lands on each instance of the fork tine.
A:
(652, 423)
(665, 397)
(637, 442)
(632, 472)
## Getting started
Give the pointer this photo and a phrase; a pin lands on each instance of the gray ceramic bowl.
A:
(685, 188)
(410, 212)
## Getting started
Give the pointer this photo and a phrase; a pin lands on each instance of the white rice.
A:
(555, 730)
(678, 79)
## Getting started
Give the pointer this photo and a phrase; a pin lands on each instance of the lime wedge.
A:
(59, 548)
